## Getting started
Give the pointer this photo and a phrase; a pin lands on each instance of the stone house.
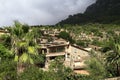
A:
(76, 56)
(73, 55)
(2, 32)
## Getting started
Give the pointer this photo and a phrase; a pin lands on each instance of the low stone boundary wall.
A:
(117, 78)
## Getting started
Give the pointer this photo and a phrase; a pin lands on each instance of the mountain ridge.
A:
(103, 11)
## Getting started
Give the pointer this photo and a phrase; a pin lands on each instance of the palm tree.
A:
(113, 58)
(23, 45)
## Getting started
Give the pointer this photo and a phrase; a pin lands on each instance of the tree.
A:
(4, 53)
(32, 73)
(24, 45)
(6, 39)
(113, 58)
(59, 71)
(96, 68)
(8, 70)
(66, 36)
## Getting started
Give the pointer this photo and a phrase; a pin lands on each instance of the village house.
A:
(75, 58)
(73, 55)
(2, 32)
(56, 47)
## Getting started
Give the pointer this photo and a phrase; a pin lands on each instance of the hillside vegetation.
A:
(103, 11)
(98, 29)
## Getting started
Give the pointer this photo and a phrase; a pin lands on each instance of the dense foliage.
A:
(20, 59)
(66, 36)
(99, 26)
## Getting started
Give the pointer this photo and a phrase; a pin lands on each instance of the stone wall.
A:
(117, 78)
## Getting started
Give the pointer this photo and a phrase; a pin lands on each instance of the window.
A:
(75, 51)
(68, 55)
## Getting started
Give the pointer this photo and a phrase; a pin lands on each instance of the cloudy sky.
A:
(42, 12)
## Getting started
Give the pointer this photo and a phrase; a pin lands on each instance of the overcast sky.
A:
(42, 12)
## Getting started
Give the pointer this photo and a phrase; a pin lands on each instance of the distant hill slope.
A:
(103, 11)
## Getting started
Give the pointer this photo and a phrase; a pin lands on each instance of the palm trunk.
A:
(118, 70)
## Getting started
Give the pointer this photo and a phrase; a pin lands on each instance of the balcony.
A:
(55, 54)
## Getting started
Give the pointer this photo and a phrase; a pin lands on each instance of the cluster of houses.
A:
(74, 56)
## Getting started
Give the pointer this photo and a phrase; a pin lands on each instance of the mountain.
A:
(103, 11)
(109, 7)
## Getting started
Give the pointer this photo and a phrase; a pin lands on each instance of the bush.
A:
(8, 70)
(32, 73)
(66, 36)
(96, 68)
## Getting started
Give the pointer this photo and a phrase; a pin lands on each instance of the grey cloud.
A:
(36, 12)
